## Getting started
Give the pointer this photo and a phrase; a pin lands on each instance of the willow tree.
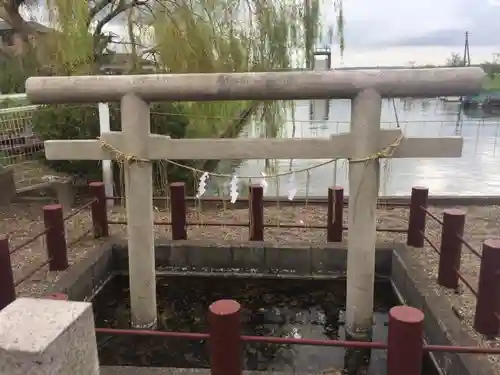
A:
(180, 37)
(236, 36)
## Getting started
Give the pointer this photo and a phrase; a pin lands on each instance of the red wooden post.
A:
(7, 285)
(335, 215)
(256, 213)
(486, 319)
(99, 209)
(416, 222)
(405, 341)
(225, 342)
(451, 248)
(55, 237)
(57, 296)
(178, 210)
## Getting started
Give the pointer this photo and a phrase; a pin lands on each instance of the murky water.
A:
(301, 309)
(475, 173)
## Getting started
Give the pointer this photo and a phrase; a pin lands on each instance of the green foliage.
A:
(180, 37)
(15, 70)
(492, 83)
(82, 122)
(72, 47)
(207, 36)
(13, 103)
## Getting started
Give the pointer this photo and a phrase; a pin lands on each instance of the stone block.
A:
(212, 256)
(7, 185)
(271, 258)
(328, 259)
(83, 286)
(65, 194)
(248, 257)
(162, 254)
(48, 337)
(178, 255)
(295, 259)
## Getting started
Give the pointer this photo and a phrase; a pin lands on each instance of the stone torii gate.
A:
(363, 146)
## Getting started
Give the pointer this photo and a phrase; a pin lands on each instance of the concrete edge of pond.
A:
(255, 257)
(81, 281)
(247, 259)
(442, 326)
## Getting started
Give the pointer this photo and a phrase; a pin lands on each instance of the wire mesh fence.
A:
(20, 148)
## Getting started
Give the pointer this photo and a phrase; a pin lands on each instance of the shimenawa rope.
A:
(387, 152)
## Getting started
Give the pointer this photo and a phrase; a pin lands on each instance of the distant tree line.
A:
(490, 67)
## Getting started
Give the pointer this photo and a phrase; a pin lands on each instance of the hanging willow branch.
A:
(237, 36)
(196, 36)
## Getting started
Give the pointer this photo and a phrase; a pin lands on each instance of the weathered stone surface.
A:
(47, 337)
(263, 257)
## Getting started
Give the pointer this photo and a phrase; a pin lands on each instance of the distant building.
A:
(12, 41)
(111, 63)
(117, 63)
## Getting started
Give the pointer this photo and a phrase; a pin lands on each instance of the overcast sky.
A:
(405, 22)
(385, 32)
(426, 31)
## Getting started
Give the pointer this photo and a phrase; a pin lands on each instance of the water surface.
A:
(475, 173)
(284, 308)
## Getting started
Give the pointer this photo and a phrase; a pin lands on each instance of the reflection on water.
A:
(475, 173)
(310, 309)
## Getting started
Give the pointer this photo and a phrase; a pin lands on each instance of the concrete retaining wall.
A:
(442, 327)
(255, 257)
(82, 280)
(298, 261)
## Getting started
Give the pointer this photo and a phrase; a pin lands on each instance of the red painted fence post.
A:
(405, 341)
(225, 341)
(416, 221)
(487, 317)
(7, 285)
(57, 296)
(256, 213)
(178, 210)
(451, 248)
(335, 215)
(99, 209)
(55, 237)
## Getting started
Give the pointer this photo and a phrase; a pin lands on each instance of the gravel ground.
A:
(481, 223)
(22, 221)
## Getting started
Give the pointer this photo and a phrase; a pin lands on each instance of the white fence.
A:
(19, 146)
(21, 149)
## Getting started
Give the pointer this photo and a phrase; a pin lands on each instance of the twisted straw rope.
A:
(387, 152)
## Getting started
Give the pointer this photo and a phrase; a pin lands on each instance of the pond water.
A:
(285, 308)
(475, 173)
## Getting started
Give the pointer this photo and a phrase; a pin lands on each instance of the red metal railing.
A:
(405, 323)
(487, 314)
(56, 243)
(488, 294)
(405, 344)
(178, 210)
